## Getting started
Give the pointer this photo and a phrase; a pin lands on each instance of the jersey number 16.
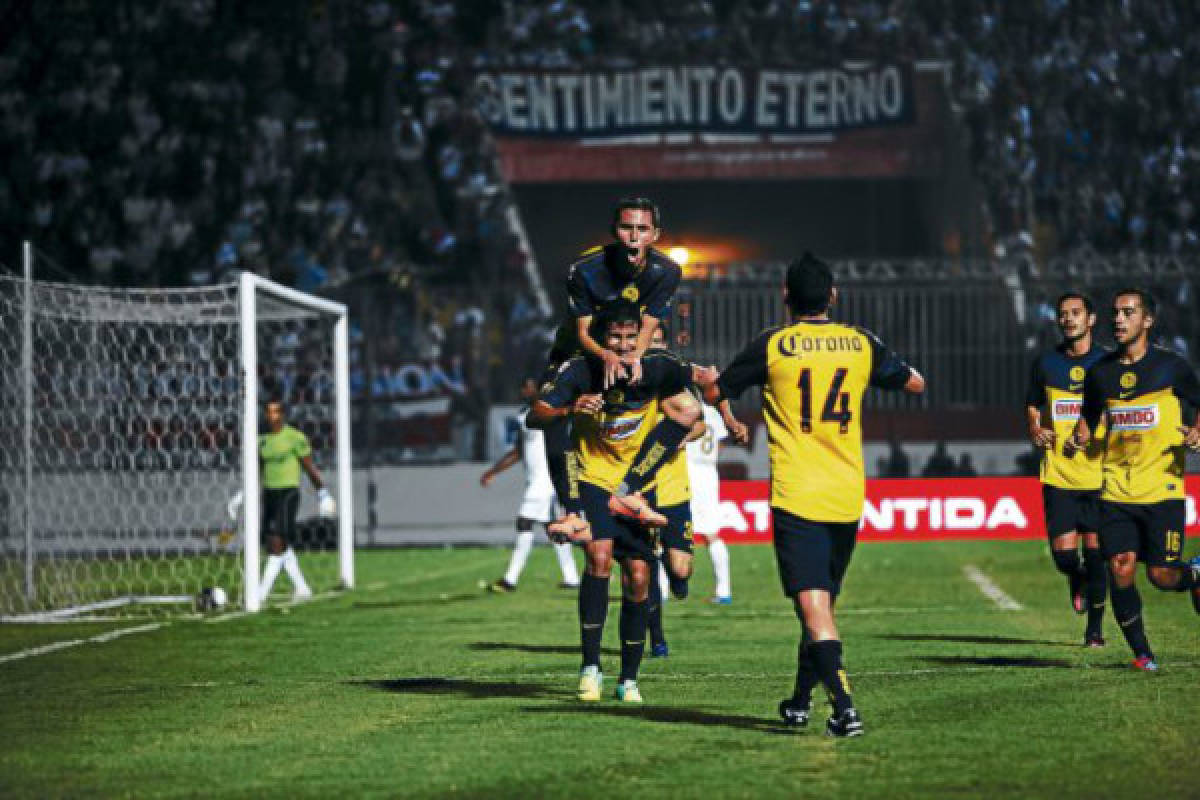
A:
(837, 402)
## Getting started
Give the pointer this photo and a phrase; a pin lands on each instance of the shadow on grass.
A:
(480, 690)
(1001, 661)
(967, 639)
(549, 649)
(416, 601)
(673, 716)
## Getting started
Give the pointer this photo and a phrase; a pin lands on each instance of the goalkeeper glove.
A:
(326, 506)
(234, 506)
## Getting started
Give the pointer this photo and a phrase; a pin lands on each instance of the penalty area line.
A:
(97, 639)
(990, 590)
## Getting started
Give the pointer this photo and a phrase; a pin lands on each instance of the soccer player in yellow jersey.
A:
(1070, 485)
(610, 428)
(1139, 391)
(814, 372)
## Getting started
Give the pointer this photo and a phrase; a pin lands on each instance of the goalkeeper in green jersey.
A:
(282, 452)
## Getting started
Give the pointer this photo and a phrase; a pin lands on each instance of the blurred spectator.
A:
(896, 463)
(965, 468)
(940, 463)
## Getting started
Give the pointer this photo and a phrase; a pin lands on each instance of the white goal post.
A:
(129, 419)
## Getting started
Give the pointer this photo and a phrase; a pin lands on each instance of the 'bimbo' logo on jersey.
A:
(619, 429)
(1067, 409)
(1133, 418)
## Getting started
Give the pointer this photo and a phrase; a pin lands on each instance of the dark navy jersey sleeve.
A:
(1035, 394)
(572, 379)
(749, 367)
(888, 370)
(666, 373)
(1185, 385)
(657, 301)
(1093, 397)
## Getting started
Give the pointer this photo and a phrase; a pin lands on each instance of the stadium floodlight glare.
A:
(128, 420)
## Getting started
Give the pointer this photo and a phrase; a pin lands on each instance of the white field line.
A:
(99, 638)
(990, 590)
(372, 587)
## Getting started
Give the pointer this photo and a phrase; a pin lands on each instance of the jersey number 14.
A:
(837, 402)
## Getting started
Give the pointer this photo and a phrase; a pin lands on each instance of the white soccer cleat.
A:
(591, 681)
(628, 692)
(303, 593)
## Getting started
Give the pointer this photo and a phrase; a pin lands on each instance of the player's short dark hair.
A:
(619, 312)
(1072, 294)
(636, 204)
(275, 400)
(809, 285)
(1149, 304)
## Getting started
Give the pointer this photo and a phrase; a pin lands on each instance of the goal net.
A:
(127, 426)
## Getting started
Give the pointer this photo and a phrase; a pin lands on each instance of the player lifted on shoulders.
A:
(1070, 484)
(609, 429)
(814, 372)
(630, 269)
(1139, 392)
(537, 504)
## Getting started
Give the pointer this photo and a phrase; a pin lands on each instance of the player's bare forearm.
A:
(915, 383)
(645, 334)
(1041, 437)
(698, 430)
(737, 428)
(712, 395)
(1081, 435)
(542, 414)
(507, 460)
(311, 470)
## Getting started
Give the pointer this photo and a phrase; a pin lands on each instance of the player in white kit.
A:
(537, 504)
(706, 506)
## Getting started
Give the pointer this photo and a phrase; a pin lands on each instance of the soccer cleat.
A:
(1093, 639)
(659, 650)
(627, 692)
(845, 724)
(678, 586)
(502, 587)
(571, 528)
(591, 681)
(721, 600)
(566, 585)
(633, 507)
(1145, 664)
(795, 712)
(303, 593)
(1077, 583)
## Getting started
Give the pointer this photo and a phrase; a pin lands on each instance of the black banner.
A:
(695, 99)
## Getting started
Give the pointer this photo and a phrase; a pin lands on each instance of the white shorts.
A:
(539, 508)
(706, 516)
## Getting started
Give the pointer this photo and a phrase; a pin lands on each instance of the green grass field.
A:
(420, 684)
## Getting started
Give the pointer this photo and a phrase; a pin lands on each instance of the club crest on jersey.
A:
(1128, 380)
(618, 429)
(1066, 409)
(630, 293)
(1077, 373)
(1133, 418)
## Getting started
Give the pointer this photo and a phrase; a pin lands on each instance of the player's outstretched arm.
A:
(633, 361)
(507, 460)
(737, 429)
(326, 505)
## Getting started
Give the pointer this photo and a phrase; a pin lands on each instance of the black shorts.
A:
(629, 540)
(812, 555)
(677, 533)
(279, 510)
(1070, 510)
(1155, 531)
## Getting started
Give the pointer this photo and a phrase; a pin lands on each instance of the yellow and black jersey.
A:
(604, 274)
(606, 443)
(1141, 404)
(1056, 388)
(813, 375)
